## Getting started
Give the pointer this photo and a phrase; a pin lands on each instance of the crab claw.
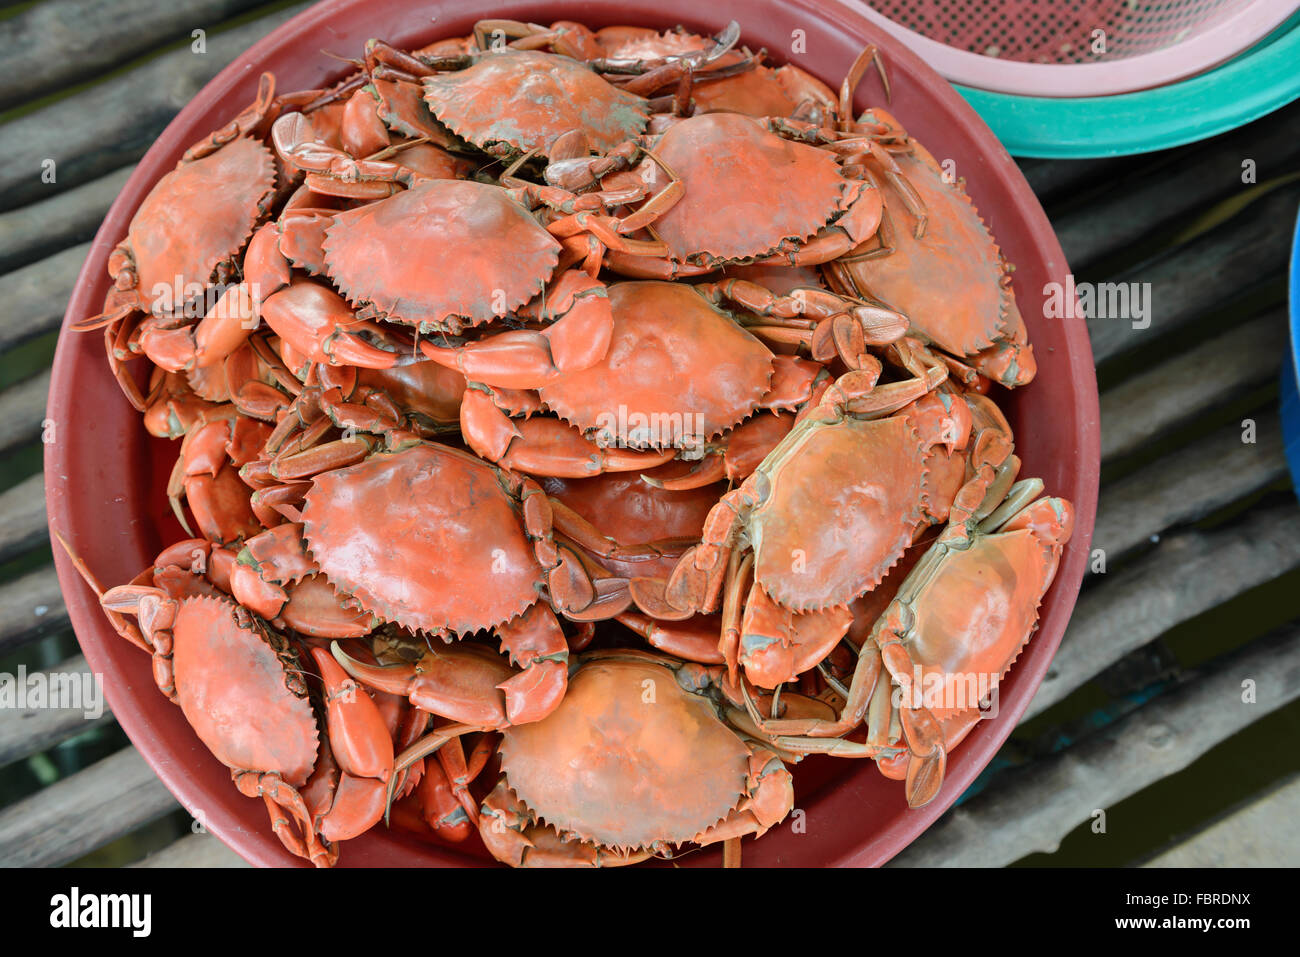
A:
(697, 579)
(1008, 363)
(358, 735)
(358, 806)
(768, 661)
(220, 332)
(929, 757)
(266, 270)
(535, 692)
(535, 641)
(777, 644)
(318, 322)
(527, 359)
(459, 681)
(651, 596)
(342, 806)
(439, 807)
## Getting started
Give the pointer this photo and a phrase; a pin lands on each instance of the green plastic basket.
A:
(1261, 80)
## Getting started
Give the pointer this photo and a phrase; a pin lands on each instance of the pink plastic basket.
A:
(1076, 48)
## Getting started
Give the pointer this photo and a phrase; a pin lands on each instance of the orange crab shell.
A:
(243, 695)
(747, 189)
(845, 502)
(629, 758)
(673, 359)
(516, 101)
(425, 537)
(763, 91)
(445, 253)
(979, 610)
(199, 215)
(952, 282)
(631, 44)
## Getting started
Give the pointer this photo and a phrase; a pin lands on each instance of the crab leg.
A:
(119, 305)
(440, 805)
(244, 124)
(117, 333)
(740, 573)
(869, 56)
(451, 758)
(857, 393)
(321, 458)
(586, 536)
(852, 326)
(297, 832)
(881, 326)
(651, 267)
(126, 629)
(544, 446)
(768, 799)
(694, 640)
(794, 733)
(435, 796)
(512, 836)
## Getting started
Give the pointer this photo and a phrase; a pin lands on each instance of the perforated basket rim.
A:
(1237, 32)
(1248, 87)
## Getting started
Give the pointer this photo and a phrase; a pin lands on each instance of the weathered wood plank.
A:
(82, 812)
(1214, 471)
(1177, 392)
(194, 850)
(1030, 809)
(112, 124)
(1189, 181)
(1188, 573)
(22, 517)
(61, 42)
(36, 295)
(25, 731)
(1204, 275)
(22, 410)
(1249, 836)
(30, 608)
(43, 228)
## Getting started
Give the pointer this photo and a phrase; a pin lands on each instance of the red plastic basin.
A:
(105, 476)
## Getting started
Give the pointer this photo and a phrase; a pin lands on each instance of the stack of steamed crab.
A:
(577, 429)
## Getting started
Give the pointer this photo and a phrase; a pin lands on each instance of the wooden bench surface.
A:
(1141, 715)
